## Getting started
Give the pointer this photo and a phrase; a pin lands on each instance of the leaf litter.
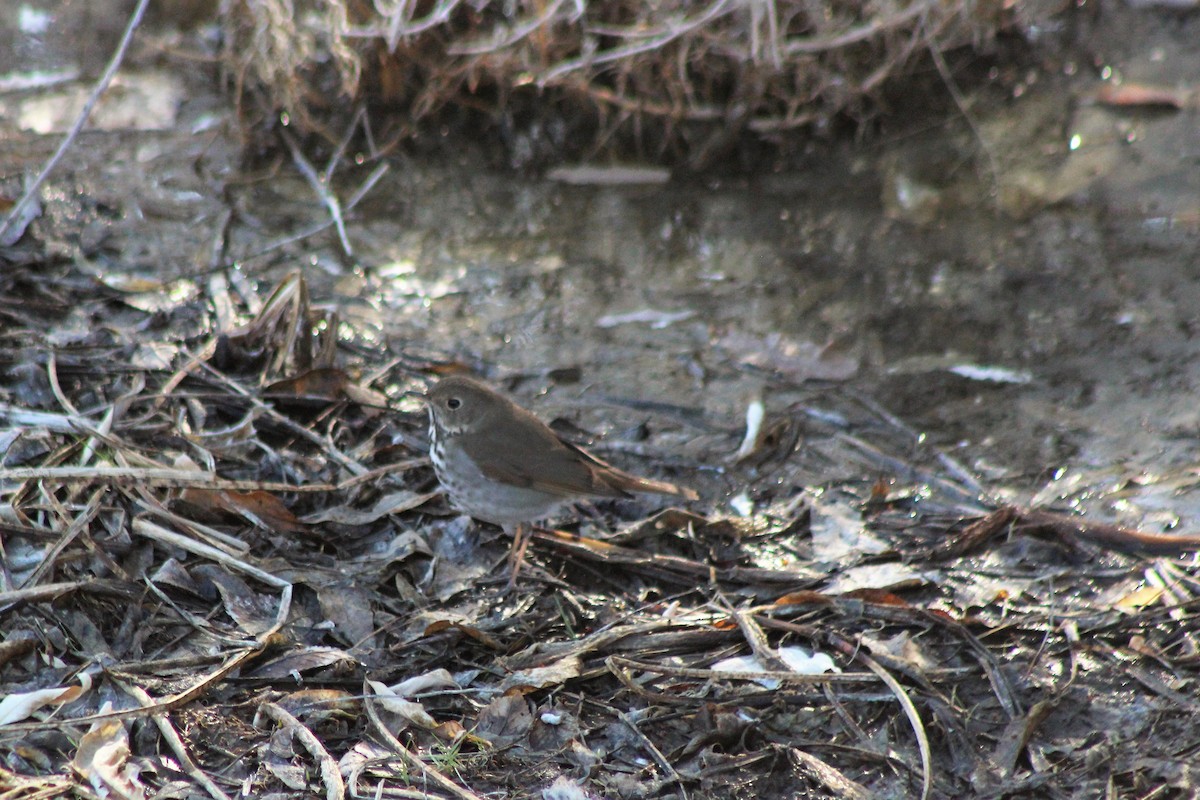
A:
(223, 576)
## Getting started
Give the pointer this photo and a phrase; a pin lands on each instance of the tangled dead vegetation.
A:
(227, 571)
(674, 78)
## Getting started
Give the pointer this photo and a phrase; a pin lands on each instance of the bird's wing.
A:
(533, 456)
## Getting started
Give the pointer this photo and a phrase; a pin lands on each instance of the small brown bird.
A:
(501, 464)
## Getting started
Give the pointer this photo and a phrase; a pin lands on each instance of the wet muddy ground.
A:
(1011, 289)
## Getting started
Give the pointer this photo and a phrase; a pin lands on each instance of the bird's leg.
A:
(516, 556)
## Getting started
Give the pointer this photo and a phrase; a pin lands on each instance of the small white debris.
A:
(742, 505)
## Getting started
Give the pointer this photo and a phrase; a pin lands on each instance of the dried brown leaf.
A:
(103, 761)
(505, 721)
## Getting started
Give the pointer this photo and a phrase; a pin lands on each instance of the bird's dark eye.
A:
(453, 403)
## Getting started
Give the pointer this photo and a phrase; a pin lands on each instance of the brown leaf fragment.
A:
(17, 706)
(348, 607)
(669, 519)
(505, 721)
(102, 760)
(327, 384)
(1017, 734)
(549, 676)
(445, 624)
(305, 661)
(254, 613)
(18, 643)
(258, 507)
(1145, 95)
(316, 705)
(878, 596)
(803, 598)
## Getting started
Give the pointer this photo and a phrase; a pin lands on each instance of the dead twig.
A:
(412, 761)
(1068, 529)
(137, 476)
(174, 742)
(105, 79)
(171, 703)
(335, 787)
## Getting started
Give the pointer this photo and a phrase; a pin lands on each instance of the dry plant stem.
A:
(401, 25)
(1067, 529)
(52, 591)
(755, 637)
(355, 198)
(960, 472)
(908, 616)
(665, 567)
(162, 706)
(52, 421)
(170, 478)
(914, 719)
(522, 533)
(842, 787)
(862, 33)
(966, 498)
(335, 787)
(197, 623)
(413, 762)
(160, 534)
(322, 189)
(37, 787)
(56, 388)
(173, 741)
(655, 753)
(518, 32)
(345, 461)
(379, 472)
(110, 71)
(81, 521)
(231, 543)
(343, 143)
(952, 86)
(367, 185)
(672, 31)
(541, 653)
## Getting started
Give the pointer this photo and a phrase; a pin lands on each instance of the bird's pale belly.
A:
(475, 494)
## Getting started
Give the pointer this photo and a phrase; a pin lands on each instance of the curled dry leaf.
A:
(19, 706)
(103, 761)
(434, 679)
(409, 710)
(303, 662)
(545, 677)
(258, 507)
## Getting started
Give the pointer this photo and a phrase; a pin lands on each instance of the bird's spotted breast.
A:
(476, 494)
